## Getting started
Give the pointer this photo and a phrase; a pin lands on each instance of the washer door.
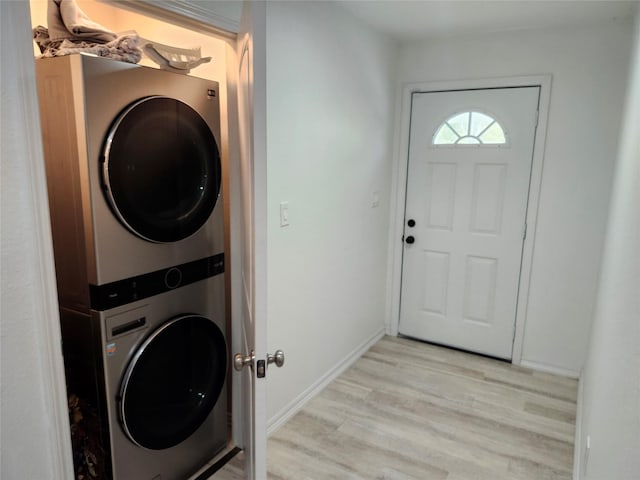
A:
(173, 382)
(161, 169)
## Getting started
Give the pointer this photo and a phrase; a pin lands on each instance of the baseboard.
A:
(577, 443)
(289, 410)
(541, 367)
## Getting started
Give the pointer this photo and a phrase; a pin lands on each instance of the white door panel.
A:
(469, 201)
(252, 132)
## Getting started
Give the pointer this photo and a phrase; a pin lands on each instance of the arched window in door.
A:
(470, 128)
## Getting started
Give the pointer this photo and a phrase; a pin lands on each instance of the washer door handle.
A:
(240, 361)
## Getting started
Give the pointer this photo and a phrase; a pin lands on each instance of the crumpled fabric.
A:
(123, 48)
(71, 31)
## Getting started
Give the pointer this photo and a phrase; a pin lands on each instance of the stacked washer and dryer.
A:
(134, 179)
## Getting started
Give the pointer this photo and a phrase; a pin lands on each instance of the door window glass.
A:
(470, 128)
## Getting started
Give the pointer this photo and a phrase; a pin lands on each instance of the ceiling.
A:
(413, 19)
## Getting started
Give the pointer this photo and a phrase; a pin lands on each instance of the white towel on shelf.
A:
(66, 21)
(71, 31)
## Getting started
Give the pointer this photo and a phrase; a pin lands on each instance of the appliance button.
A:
(173, 278)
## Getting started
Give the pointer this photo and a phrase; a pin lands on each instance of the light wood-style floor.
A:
(409, 410)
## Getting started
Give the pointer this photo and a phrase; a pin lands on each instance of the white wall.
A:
(589, 67)
(330, 92)
(610, 404)
(35, 441)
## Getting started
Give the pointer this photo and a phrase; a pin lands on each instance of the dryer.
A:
(133, 170)
(156, 371)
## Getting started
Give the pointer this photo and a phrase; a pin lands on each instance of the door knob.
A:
(410, 239)
(240, 361)
(277, 358)
(411, 222)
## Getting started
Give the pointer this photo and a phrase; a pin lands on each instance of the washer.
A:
(157, 369)
(133, 169)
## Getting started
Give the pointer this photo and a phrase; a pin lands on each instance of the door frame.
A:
(187, 15)
(399, 190)
(25, 139)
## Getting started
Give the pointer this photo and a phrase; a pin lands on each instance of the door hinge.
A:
(524, 231)
(537, 118)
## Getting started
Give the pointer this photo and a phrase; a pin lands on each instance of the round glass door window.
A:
(161, 169)
(173, 382)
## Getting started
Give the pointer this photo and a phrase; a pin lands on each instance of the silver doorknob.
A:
(240, 361)
(277, 358)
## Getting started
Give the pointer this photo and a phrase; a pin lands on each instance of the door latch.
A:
(240, 361)
(261, 371)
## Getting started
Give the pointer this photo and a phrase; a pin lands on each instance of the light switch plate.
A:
(284, 214)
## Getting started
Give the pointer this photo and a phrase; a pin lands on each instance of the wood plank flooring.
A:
(408, 410)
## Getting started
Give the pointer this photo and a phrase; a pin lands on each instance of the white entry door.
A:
(470, 155)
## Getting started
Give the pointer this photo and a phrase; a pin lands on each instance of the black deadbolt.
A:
(411, 222)
(410, 239)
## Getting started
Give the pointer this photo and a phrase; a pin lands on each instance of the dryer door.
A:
(173, 382)
(161, 169)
